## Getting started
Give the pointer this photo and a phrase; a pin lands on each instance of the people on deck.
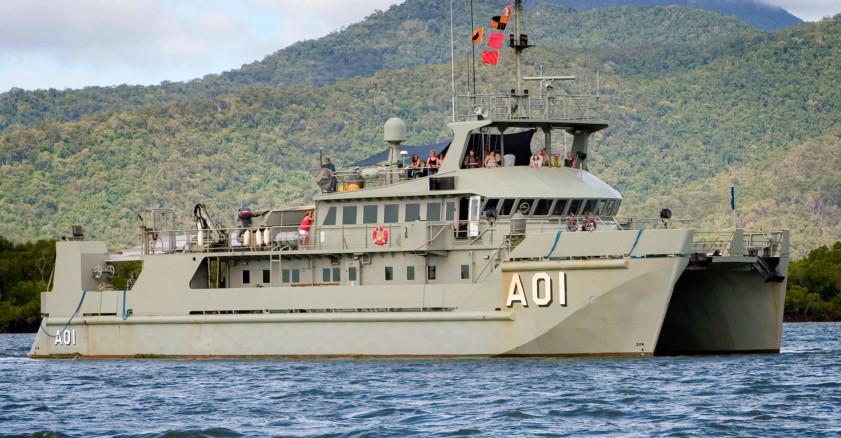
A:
(588, 224)
(304, 229)
(544, 157)
(131, 281)
(535, 162)
(555, 161)
(569, 161)
(572, 223)
(440, 160)
(432, 163)
(415, 167)
(332, 168)
(471, 161)
(490, 160)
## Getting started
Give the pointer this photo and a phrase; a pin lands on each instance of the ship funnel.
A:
(395, 130)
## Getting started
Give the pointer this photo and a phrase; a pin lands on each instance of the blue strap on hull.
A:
(68, 321)
(555, 244)
(635, 242)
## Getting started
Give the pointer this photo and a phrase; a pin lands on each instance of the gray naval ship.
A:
(463, 260)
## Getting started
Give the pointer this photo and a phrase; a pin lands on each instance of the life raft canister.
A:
(380, 239)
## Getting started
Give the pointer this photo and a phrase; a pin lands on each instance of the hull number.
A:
(68, 337)
(542, 290)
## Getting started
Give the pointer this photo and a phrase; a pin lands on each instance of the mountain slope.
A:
(412, 34)
(757, 14)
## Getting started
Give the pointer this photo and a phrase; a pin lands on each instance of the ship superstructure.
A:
(471, 260)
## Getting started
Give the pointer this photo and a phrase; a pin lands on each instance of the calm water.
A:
(794, 393)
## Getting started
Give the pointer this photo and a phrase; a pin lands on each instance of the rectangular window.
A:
(608, 210)
(351, 273)
(267, 276)
(296, 276)
(325, 275)
(430, 272)
(389, 273)
(590, 207)
(542, 207)
(616, 207)
(412, 212)
(410, 273)
(284, 276)
(560, 206)
(337, 275)
(349, 215)
(369, 214)
(451, 211)
(391, 213)
(330, 217)
(246, 277)
(492, 203)
(574, 206)
(505, 207)
(465, 272)
(600, 208)
(433, 211)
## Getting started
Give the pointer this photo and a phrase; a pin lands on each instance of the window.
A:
(267, 276)
(337, 275)
(296, 276)
(608, 211)
(246, 277)
(349, 215)
(590, 206)
(410, 273)
(525, 206)
(492, 203)
(330, 217)
(430, 272)
(433, 211)
(600, 208)
(575, 206)
(505, 207)
(451, 211)
(616, 207)
(351, 273)
(389, 273)
(391, 214)
(560, 205)
(285, 276)
(412, 212)
(369, 214)
(465, 272)
(325, 275)
(542, 208)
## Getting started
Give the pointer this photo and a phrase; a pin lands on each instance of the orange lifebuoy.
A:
(380, 239)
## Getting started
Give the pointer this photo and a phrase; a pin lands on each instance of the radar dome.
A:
(395, 130)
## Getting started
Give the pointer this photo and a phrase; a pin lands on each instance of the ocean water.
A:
(795, 393)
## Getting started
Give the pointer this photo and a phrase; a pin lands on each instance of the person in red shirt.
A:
(304, 229)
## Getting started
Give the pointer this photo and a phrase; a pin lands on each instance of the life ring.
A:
(380, 239)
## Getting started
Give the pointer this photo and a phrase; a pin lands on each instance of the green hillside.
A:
(412, 34)
(687, 120)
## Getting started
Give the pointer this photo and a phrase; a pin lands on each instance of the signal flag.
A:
(495, 40)
(490, 57)
(477, 36)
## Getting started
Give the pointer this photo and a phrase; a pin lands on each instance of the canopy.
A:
(517, 144)
(421, 151)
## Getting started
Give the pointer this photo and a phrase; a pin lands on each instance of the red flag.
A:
(495, 40)
(490, 57)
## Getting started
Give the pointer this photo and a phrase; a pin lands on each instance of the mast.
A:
(518, 5)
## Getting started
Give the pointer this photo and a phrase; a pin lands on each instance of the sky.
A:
(75, 43)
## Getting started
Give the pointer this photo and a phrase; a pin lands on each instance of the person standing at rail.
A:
(304, 229)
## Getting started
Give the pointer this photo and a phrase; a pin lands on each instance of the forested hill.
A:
(761, 111)
(409, 35)
(759, 15)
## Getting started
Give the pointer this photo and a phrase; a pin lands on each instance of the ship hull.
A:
(725, 308)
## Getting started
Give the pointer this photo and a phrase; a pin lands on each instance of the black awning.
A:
(421, 151)
(517, 144)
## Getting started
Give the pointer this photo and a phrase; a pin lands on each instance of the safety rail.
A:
(344, 237)
(738, 243)
(506, 106)
(650, 223)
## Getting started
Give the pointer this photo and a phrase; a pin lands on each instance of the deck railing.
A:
(506, 106)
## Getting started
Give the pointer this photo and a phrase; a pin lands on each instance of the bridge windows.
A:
(330, 217)
(506, 207)
(574, 206)
(560, 207)
(542, 208)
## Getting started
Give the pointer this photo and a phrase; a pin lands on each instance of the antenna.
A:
(453, 57)
(473, 48)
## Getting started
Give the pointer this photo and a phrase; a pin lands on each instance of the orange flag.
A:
(477, 36)
(490, 58)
